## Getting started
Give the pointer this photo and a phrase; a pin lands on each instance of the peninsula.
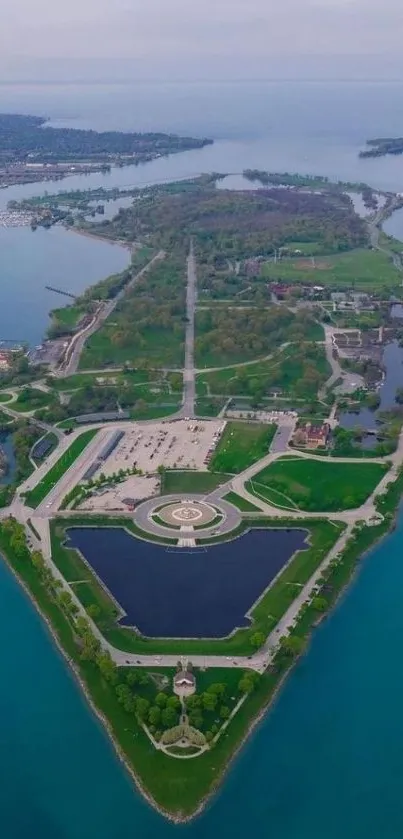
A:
(382, 146)
(204, 462)
(31, 150)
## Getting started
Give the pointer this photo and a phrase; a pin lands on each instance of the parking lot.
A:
(123, 496)
(180, 444)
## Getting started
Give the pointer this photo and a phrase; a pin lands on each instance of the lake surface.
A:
(179, 593)
(31, 260)
(6, 443)
(328, 761)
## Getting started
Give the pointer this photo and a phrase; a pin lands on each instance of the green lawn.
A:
(5, 397)
(36, 495)
(68, 316)
(362, 269)
(30, 399)
(209, 407)
(313, 485)
(298, 370)
(242, 504)
(79, 380)
(241, 445)
(174, 481)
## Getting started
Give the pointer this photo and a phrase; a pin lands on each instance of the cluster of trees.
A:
(149, 322)
(208, 710)
(299, 372)
(239, 224)
(23, 137)
(229, 334)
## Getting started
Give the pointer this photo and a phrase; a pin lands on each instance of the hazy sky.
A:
(178, 33)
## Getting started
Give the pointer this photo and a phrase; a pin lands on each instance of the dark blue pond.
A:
(6, 443)
(169, 592)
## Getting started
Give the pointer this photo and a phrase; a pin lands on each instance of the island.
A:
(206, 455)
(382, 146)
(31, 150)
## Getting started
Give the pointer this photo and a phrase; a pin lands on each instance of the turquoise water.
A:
(326, 762)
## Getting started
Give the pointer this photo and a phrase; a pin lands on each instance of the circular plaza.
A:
(188, 513)
(188, 516)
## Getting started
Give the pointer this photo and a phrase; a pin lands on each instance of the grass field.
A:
(362, 269)
(30, 399)
(209, 407)
(242, 504)
(68, 316)
(5, 397)
(285, 372)
(313, 485)
(241, 445)
(187, 481)
(36, 495)
(79, 380)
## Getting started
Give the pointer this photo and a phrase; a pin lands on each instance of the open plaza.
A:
(179, 444)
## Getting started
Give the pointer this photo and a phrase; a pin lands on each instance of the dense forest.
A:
(29, 139)
(240, 224)
(230, 335)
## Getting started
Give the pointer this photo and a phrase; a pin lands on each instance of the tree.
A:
(193, 702)
(257, 640)
(142, 706)
(292, 645)
(169, 717)
(132, 677)
(154, 715)
(107, 667)
(320, 604)
(196, 718)
(94, 610)
(90, 647)
(217, 688)
(174, 702)
(209, 701)
(161, 699)
(245, 685)
(224, 712)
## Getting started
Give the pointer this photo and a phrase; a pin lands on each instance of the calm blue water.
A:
(146, 579)
(393, 362)
(30, 260)
(6, 444)
(328, 761)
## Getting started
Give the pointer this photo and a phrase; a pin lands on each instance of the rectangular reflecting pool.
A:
(168, 592)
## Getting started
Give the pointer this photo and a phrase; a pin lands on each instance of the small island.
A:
(31, 150)
(382, 146)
